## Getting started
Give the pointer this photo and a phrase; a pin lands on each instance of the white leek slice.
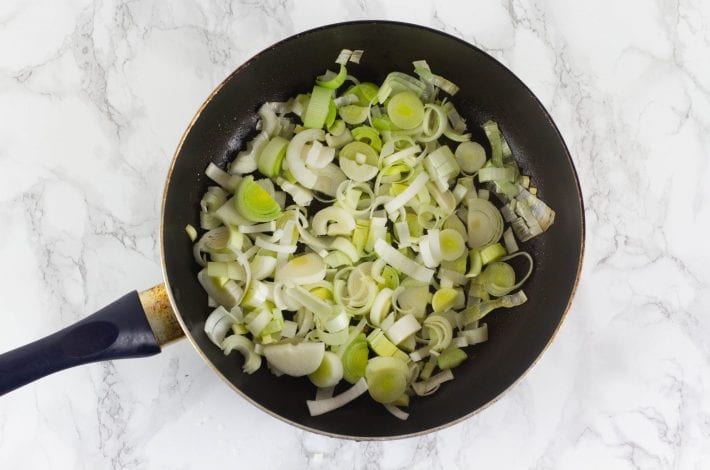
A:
(398, 261)
(221, 295)
(340, 321)
(380, 306)
(413, 299)
(289, 329)
(485, 223)
(297, 359)
(219, 176)
(258, 228)
(475, 335)
(432, 385)
(396, 412)
(357, 171)
(296, 165)
(311, 302)
(218, 324)
(329, 372)
(246, 160)
(300, 195)
(346, 247)
(471, 156)
(452, 245)
(304, 269)
(343, 222)
(387, 378)
(511, 246)
(439, 330)
(405, 196)
(262, 267)
(319, 407)
(329, 179)
(402, 328)
(252, 360)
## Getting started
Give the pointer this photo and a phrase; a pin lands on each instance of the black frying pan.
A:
(219, 130)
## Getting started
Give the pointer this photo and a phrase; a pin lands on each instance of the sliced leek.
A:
(347, 242)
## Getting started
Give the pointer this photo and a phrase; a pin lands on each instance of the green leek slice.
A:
(329, 372)
(254, 202)
(318, 107)
(406, 110)
(334, 81)
(387, 378)
(271, 157)
(450, 358)
(355, 359)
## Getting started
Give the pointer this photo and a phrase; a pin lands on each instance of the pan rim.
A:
(216, 91)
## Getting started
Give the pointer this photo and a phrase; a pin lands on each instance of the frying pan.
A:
(139, 324)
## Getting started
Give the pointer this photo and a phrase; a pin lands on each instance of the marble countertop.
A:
(93, 99)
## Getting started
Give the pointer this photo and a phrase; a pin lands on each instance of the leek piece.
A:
(304, 269)
(475, 262)
(329, 372)
(369, 136)
(381, 306)
(470, 156)
(432, 384)
(398, 261)
(271, 157)
(485, 223)
(254, 202)
(496, 174)
(319, 407)
(351, 151)
(344, 222)
(353, 114)
(493, 134)
(332, 114)
(443, 299)
(296, 165)
(475, 335)
(442, 167)
(492, 253)
(297, 359)
(406, 110)
(403, 328)
(439, 330)
(318, 107)
(382, 346)
(191, 232)
(403, 400)
(337, 129)
(218, 324)
(365, 92)
(390, 278)
(408, 194)
(355, 358)
(331, 80)
(217, 292)
(476, 312)
(252, 361)
(386, 378)
(498, 278)
(450, 358)
(452, 245)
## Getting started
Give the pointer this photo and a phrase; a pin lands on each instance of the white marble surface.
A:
(93, 99)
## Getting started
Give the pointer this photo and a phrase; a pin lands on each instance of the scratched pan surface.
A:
(488, 91)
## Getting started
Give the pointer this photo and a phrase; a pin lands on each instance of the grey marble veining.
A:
(93, 99)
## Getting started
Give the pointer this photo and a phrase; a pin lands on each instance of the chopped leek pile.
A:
(354, 239)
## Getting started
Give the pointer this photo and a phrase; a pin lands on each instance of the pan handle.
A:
(136, 325)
